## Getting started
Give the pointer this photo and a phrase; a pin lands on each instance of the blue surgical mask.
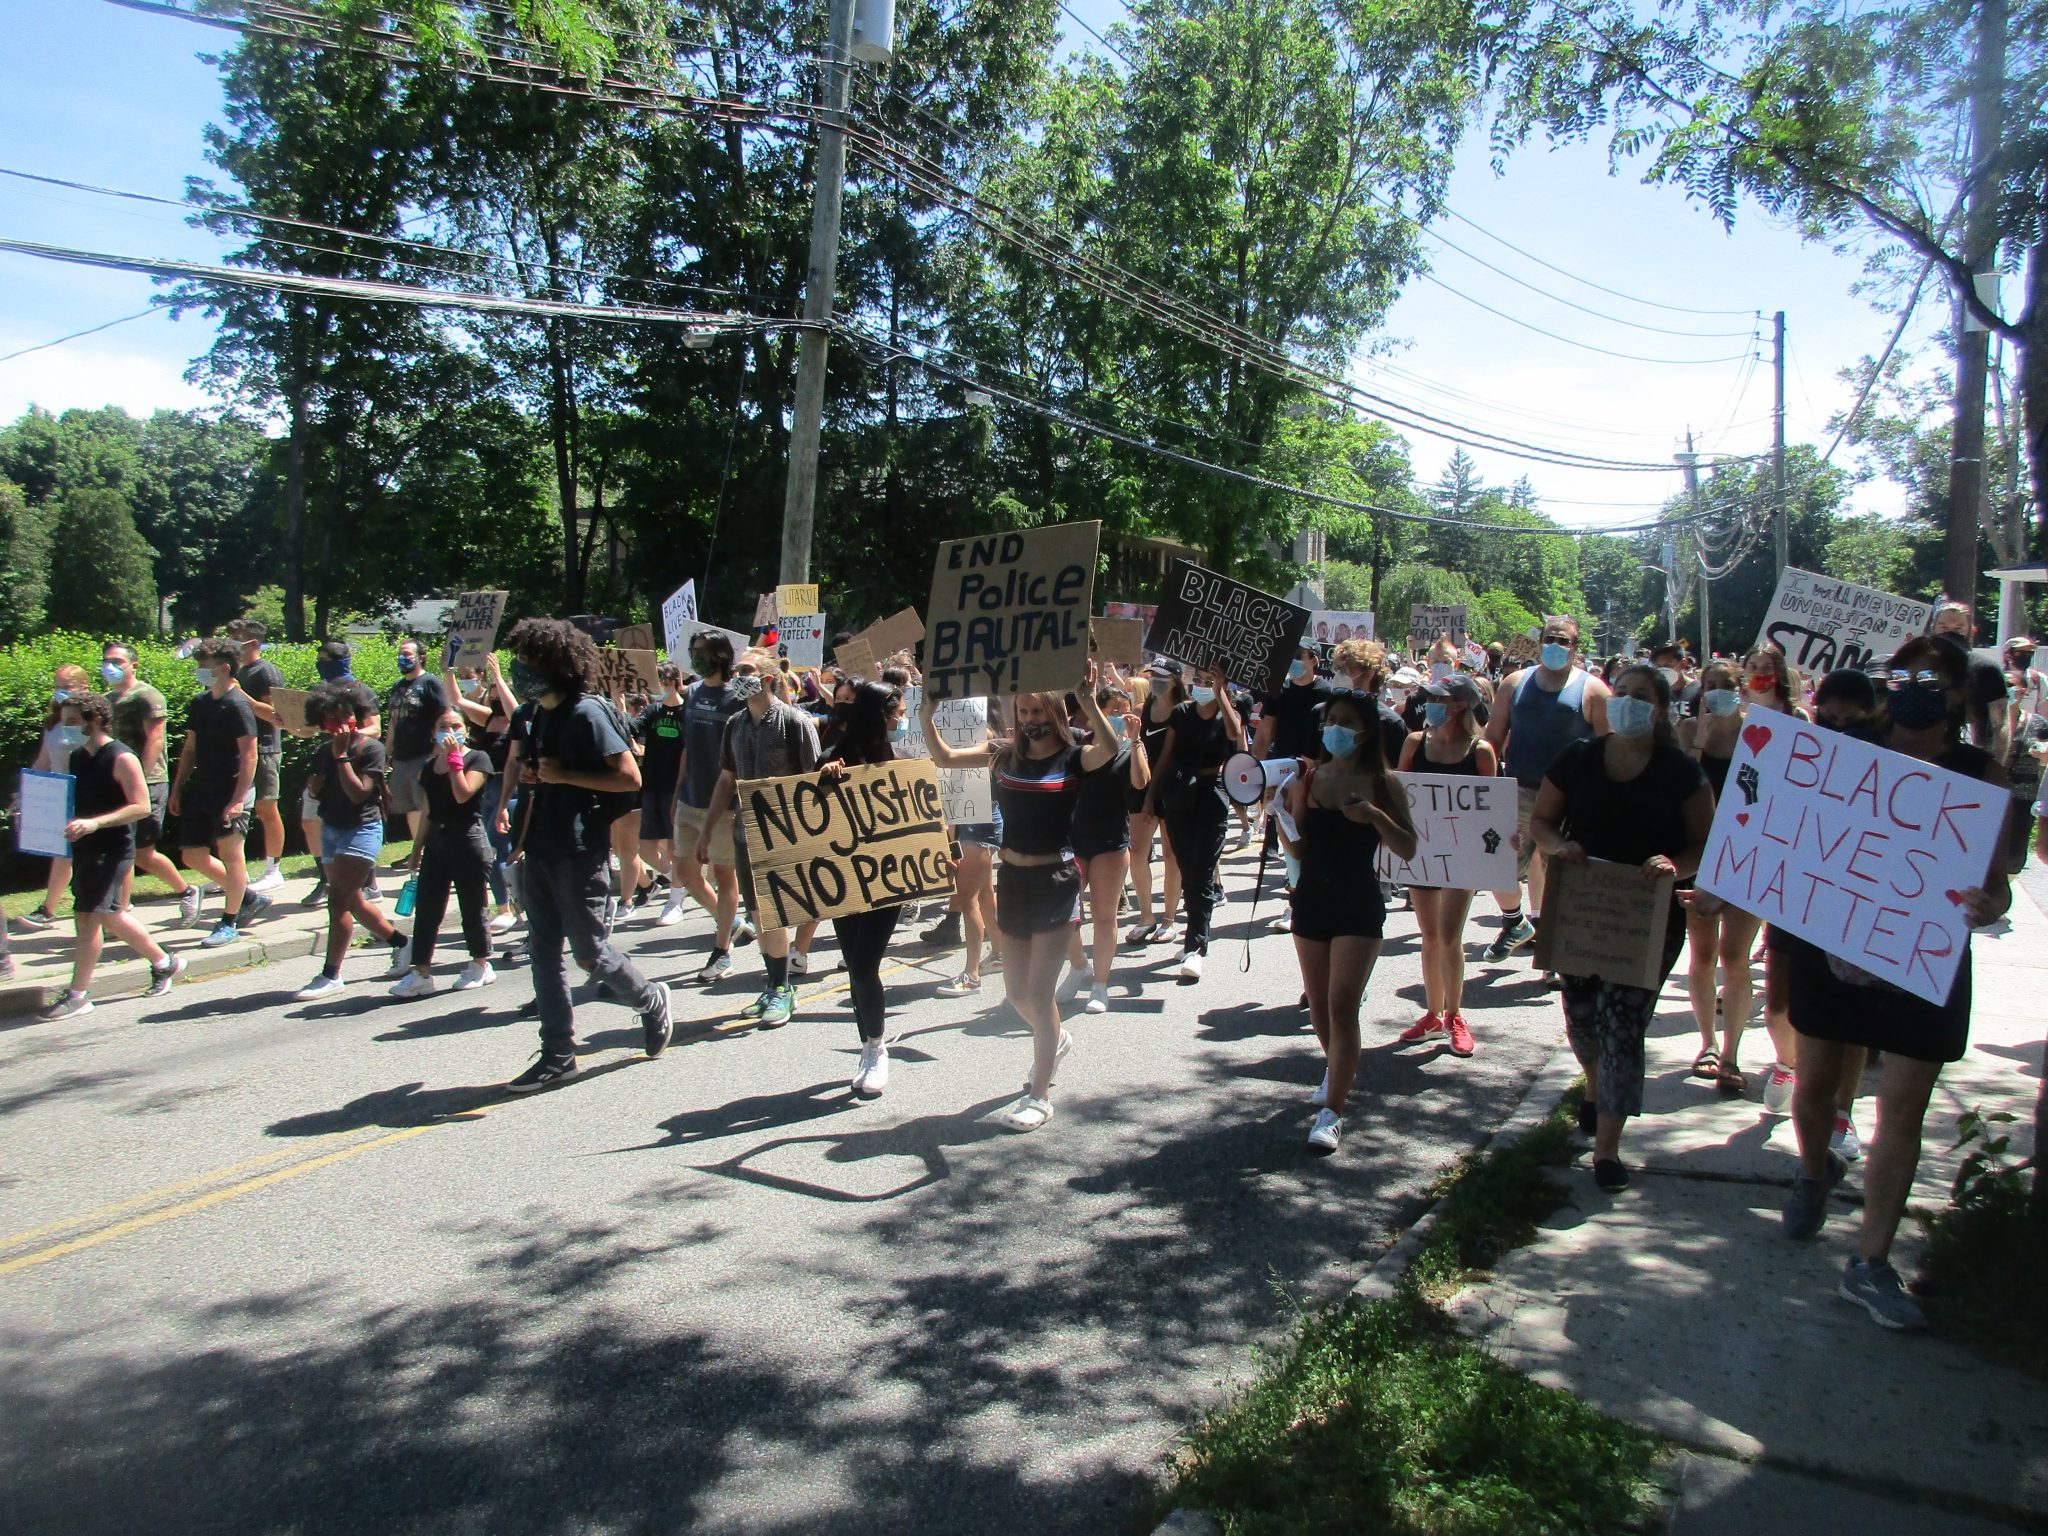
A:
(408, 665)
(1436, 713)
(900, 731)
(469, 685)
(331, 671)
(205, 676)
(1297, 670)
(70, 737)
(449, 741)
(1339, 740)
(1556, 657)
(1202, 695)
(1116, 729)
(1720, 701)
(1630, 716)
(112, 673)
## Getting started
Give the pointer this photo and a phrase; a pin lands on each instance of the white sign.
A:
(1861, 851)
(677, 612)
(1821, 623)
(962, 724)
(1464, 833)
(803, 640)
(1333, 626)
(46, 802)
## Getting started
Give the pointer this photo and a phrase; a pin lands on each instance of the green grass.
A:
(150, 889)
(1980, 1281)
(1382, 1417)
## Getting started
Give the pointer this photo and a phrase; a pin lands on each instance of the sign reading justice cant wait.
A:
(1009, 612)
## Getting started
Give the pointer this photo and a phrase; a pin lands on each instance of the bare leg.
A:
(804, 936)
(234, 876)
(1143, 829)
(152, 861)
(1737, 938)
(1854, 1059)
(1778, 1012)
(726, 906)
(1042, 972)
(272, 822)
(203, 864)
(1813, 1101)
(1351, 962)
(1105, 884)
(1894, 1154)
(125, 926)
(85, 949)
(1453, 907)
(1427, 907)
(1702, 953)
(58, 883)
(972, 883)
(1314, 958)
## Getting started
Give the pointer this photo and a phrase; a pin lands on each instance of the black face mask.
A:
(1038, 730)
(1919, 706)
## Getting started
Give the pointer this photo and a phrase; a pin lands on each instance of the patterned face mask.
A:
(744, 687)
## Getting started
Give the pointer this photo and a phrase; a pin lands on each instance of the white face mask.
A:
(1397, 698)
(1628, 715)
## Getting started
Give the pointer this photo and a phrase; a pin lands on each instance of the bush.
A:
(28, 667)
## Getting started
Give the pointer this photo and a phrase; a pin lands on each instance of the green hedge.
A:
(27, 677)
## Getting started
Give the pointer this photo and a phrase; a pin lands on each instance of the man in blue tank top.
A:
(1537, 713)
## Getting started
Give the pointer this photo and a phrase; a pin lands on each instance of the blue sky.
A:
(96, 93)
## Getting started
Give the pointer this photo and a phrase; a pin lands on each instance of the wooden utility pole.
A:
(1782, 532)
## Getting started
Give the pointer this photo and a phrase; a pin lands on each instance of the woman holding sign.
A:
(1630, 797)
(1038, 886)
(1343, 809)
(1450, 742)
(1837, 1007)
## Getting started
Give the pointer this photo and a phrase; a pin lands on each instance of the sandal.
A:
(1707, 1064)
(1731, 1082)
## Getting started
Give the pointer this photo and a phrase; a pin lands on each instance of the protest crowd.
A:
(1044, 789)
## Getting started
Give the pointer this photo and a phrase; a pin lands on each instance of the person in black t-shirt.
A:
(1289, 723)
(108, 799)
(457, 853)
(213, 786)
(1187, 791)
(1102, 841)
(415, 702)
(256, 677)
(663, 741)
(346, 780)
(1987, 700)
(580, 773)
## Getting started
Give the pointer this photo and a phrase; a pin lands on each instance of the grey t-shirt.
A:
(706, 709)
(782, 742)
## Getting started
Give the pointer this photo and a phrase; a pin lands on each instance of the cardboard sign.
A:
(473, 628)
(1821, 623)
(869, 651)
(1146, 611)
(1207, 620)
(1009, 612)
(1428, 620)
(1120, 642)
(796, 597)
(802, 640)
(818, 849)
(1333, 626)
(1464, 831)
(1475, 655)
(969, 793)
(856, 658)
(1859, 850)
(1604, 919)
(289, 704)
(1524, 647)
(678, 609)
(627, 671)
(634, 637)
(46, 810)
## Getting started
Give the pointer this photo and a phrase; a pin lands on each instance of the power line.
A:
(90, 330)
(1527, 325)
(1681, 309)
(1075, 17)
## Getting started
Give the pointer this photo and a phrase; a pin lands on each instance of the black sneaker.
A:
(36, 919)
(1806, 1207)
(657, 1023)
(319, 892)
(254, 904)
(945, 933)
(161, 977)
(1589, 1118)
(1610, 1173)
(545, 1072)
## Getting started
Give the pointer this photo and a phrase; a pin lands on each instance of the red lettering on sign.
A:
(1869, 844)
(1806, 750)
(1945, 817)
(1923, 951)
(1891, 804)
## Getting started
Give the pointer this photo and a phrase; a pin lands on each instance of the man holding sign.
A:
(1885, 860)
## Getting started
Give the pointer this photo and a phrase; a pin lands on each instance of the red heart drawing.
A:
(1954, 896)
(1742, 818)
(1754, 737)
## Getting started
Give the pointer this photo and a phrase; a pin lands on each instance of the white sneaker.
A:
(188, 905)
(413, 984)
(1284, 923)
(1324, 1135)
(322, 985)
(477, 973)
(1098, 999)
(1778, 1090)
(672, 910)
(872, 1076)
(1845, 1143)
(1079, 979)
(715, 968)
(272, 879)
(504, 922)
(1320, 1099)
(401, 961)
(1026, 1115)
(1191, 966)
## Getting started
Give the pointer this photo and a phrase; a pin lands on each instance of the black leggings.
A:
(465, 863)
(1195, 825)
(863, 938)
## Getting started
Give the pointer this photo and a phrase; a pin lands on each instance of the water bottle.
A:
(408, 896)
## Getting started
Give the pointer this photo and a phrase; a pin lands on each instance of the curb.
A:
(130, 978)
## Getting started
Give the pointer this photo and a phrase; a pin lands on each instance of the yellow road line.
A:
(278, 1175)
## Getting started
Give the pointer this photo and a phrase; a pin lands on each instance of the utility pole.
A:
(1973, 345)
(814, 345)
(1691, 461)
(1782, 533)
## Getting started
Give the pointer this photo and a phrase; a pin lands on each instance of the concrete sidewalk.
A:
(1680, 1306)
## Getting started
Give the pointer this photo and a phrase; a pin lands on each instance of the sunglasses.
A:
(1924, 677)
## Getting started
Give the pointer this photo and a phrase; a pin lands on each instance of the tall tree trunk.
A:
(2032, 349)
(562, 430)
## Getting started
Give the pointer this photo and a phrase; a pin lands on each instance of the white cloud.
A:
(82, 374)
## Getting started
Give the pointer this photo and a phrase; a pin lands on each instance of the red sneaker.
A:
(1461, 1035)
(1422, 1028)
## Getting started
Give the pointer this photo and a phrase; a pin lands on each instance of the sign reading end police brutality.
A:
(818, 849)
(1207, 620)
(1009, 613)
(1861, 851)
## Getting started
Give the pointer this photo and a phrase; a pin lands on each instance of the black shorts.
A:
(201, 826)
(99, 880)
(1037, 898)
(1088, 847)
(657, 818)
(151, 828)
(1352, 911)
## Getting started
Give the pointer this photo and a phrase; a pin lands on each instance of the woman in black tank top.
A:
(1449, 743)
(1164, 694)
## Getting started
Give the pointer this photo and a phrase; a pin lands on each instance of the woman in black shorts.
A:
(1163, 694)
(1343, 809)
(1038, 887)
(1102, 842)
(1836, 1007)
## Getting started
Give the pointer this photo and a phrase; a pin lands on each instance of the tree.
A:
(1407, 585)
(24, 564)
(100, 576)
(1871, 550)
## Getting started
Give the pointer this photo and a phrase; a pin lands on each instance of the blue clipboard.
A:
(47, 801)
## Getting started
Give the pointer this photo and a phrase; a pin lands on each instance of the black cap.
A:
(1454, 685)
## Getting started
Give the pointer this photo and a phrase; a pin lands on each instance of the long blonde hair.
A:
(1055, 706)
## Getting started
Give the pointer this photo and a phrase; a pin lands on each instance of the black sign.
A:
(1207, 620)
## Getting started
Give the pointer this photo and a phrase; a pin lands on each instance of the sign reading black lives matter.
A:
(1821, 623)
(1207, 620)
(819, 849)
(1009, 613)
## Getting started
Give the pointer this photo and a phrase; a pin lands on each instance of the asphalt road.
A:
(280, 1267)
